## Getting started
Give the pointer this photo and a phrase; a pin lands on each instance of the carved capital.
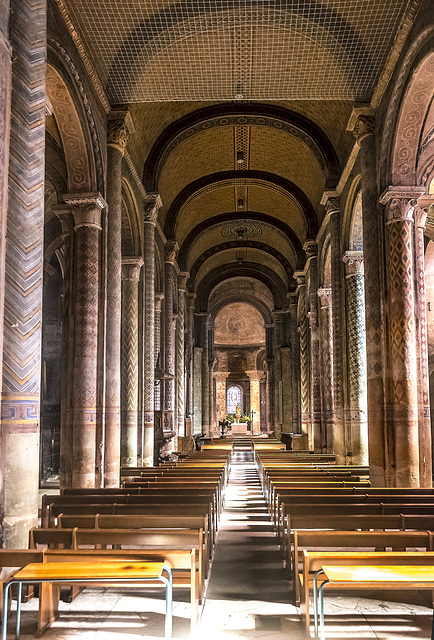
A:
(63, 212)
(131, 266)
(363, 127)
(310, 248)
(300, 279)
(325, 296)
(291, 299)
(151, 206)
(86, 209)
(331, 205)
(354, 263)
(119, 128)
(400, 203)
(191, 298)
(171, 249)
(422, 210)
(183, 276)
(158, 299)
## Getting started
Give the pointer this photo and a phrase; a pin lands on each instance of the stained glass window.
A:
(233, 397)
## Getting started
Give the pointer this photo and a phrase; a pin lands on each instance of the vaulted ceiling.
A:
(240, 111)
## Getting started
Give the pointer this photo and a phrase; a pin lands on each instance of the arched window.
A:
(233, 398)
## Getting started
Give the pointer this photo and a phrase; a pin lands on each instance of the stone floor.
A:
(248, 596)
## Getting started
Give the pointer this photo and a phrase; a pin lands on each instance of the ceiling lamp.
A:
(240, 157)
(240, 203)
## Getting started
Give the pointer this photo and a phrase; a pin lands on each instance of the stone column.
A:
(21, 267)
(86, 210)
(63, 212)
(159, 297)
(220, 378)
(130, 360)
(424, 204)
(402, 370)
(295, 362)
(277, 375)
(357, 410)
(180, 368)
(190, 354)
(203, 319)
(379, 466)
(151, 206)
(255, 400)
(269, 331)
(119, 127)
(328, 436)
(170, 252)
(311, 250)
(333, 210)
(304, 354)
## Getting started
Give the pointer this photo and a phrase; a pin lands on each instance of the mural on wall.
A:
(240, 324)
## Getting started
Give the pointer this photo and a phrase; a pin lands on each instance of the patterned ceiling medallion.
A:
(241, 230)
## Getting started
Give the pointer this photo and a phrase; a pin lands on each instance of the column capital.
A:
(63, 212)
(310, 248)
(325, 296)
(171, 249)
(330, 200)
(254, 374)
(400, 202)
(291, 298)
(152, 203)
(183, 276)
(158, 299)
(354, 263)
(191, 297)
(131, 266)
(119, 128)
(86, 208)
(421, 212)
(361, 122)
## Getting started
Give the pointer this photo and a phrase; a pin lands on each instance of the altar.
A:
(239, 428)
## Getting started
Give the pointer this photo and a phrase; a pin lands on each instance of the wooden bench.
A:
(337, 544)
(387, 576)
(46, 574)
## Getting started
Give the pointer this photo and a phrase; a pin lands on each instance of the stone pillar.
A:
(357, 410)
(424, 204)
(203, 318)
(295, 362)
(220, 378)
(401, 346)
(197, 390)
(151, 206)
(130, 360)
(255, 400)
(170, 252)
(269, 331)
(304, 354)
(379, 446)
(311, 250)
(119, 126)
(159, 297)
(21, 267)
(86, 210)
(333, 210)
(285, 363)
(277, 374)
(180, 368)
(190, 354)
(328, 436)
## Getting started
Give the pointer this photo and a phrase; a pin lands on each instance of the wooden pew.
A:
(13, 559)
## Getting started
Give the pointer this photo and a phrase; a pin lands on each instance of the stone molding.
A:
(422, 209)
(354, 263)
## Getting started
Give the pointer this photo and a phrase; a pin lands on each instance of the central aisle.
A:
(248, 595)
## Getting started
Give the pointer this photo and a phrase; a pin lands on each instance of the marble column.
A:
(337, 285)
(402, 397)
(311, 250)
(357, 396)
(328, 436)
(295, 362)
(152, 205)
(380, 467)
(255, 400)
(87, 212)
(131, 267)
(424, 204)
(304, 354)
(119, 127)
(180, 360)
(22, 96)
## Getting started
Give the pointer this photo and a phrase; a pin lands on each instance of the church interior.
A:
(217, 276)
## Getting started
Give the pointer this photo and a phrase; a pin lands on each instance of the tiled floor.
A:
(248, 596)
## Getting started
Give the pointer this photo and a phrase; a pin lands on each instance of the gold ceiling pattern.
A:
(237, 49)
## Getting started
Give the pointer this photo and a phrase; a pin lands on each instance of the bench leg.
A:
(169, 603)
(20, 591)
(5, 610)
